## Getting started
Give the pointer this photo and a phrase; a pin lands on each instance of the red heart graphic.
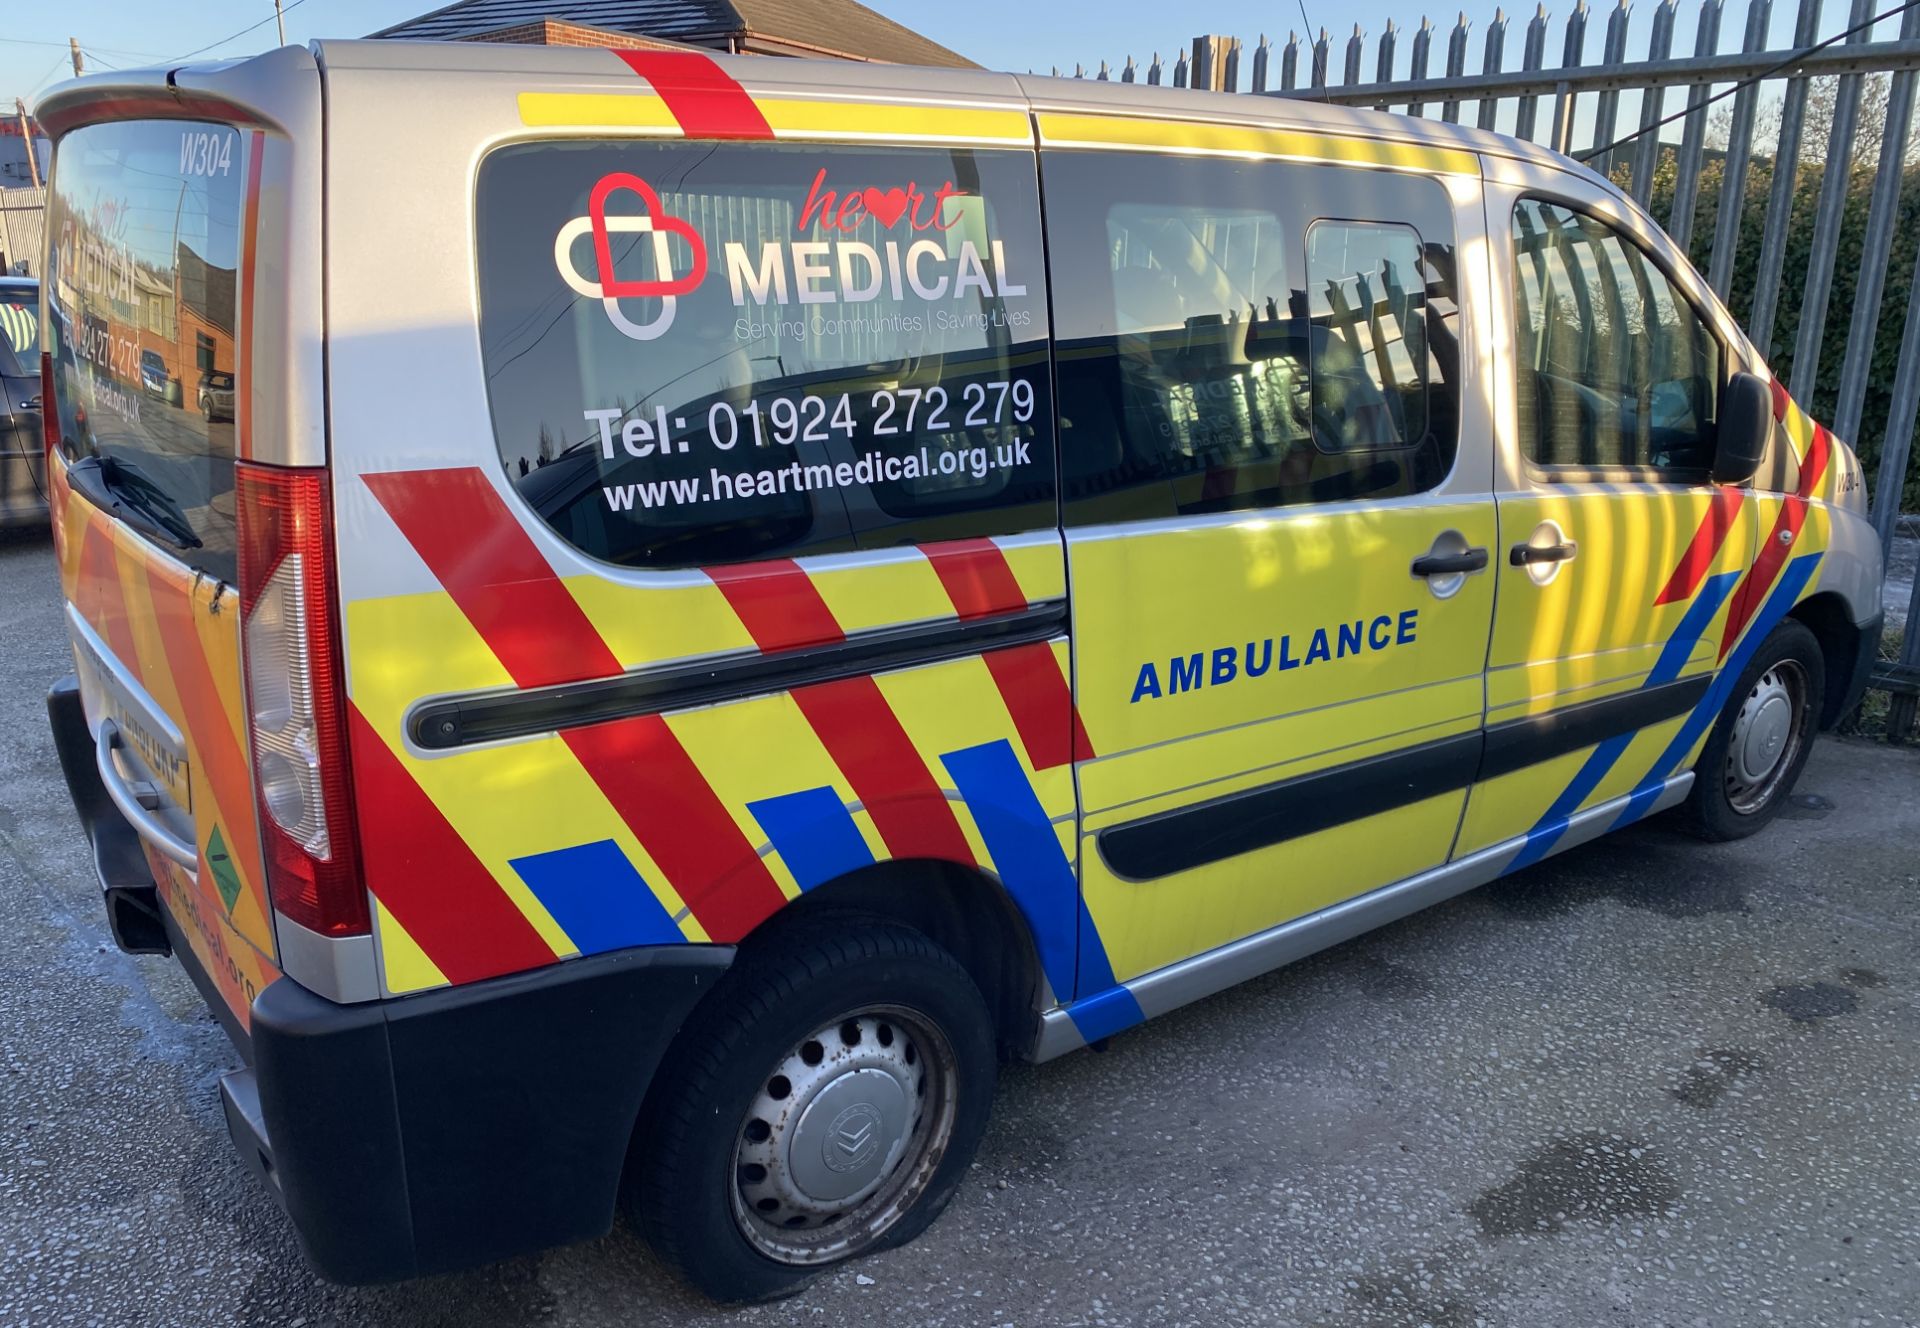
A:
(612, 287)
(885, 208)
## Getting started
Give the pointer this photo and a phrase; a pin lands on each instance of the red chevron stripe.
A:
(658, 790)
(461, 529)
(977, 577)
(979, 581)
(780, 607)
(1780, 540)
(1704, 547)
(699, 94)
(778, 604)
(867, 741)
(423, 873)
(458, 524)
(98, 594)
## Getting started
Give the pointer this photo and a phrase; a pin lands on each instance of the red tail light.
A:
(49, 408)
(296, 697)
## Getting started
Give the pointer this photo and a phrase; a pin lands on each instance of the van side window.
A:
(1614, 367)
(702, 353)
(1367, 292)
(1220, 347)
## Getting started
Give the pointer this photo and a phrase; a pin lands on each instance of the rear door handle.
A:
(1450, 564)
(1526, 555)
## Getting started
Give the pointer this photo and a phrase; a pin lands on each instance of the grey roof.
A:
(842, 26)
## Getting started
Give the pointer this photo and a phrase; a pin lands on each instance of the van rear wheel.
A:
(1762, 738)
(822, 1104)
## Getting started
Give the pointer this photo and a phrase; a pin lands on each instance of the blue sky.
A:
(1015, 34)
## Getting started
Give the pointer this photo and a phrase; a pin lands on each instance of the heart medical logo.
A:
(609, 288)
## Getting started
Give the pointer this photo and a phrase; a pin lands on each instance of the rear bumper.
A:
(430, 1132)
(438, 1131)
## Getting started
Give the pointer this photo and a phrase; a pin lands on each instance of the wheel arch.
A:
(1828, 617)
(961, 908)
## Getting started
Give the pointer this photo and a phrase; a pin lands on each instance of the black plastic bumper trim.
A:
(1519, 743)
(458, 721)
(1258, 818)
(435, 1132)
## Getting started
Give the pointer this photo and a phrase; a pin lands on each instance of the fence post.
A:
(1874, 250)
(1607, 115)
(1260, 57)
(1827, 218)
(1290, 63)
(1321, 47)
(1126, 75)
(1901, 708)
(1383, 67)
(1180, 71)
(1693, 138)
(1570, 58)
(1531, 56)
(1422, 47)
(1897, 447)
(1230, 67)
(1786, 172)
(1495, 51)
(1456, 67)
(1733, 178)
(1153, 71)
(1356, 47)
(1646, 148)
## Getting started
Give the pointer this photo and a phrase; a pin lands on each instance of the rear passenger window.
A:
(1614, 368)
(1368, 346)
(1226, 339)
(701, 353)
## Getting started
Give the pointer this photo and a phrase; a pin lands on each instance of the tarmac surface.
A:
(1648, 1082)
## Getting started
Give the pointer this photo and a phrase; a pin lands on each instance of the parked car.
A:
(23, 474)
(216, 396)
(733, 618)
(155, 381)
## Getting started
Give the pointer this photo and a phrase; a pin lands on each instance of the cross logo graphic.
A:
(608, 288)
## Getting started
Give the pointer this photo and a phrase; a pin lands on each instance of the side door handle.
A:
(1450, 564)
(1528, 554)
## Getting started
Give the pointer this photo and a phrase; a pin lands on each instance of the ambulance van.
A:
(739, 593)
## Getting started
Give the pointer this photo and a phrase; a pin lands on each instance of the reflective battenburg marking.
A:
(597, 897)
(1673, 659)
(814, 834)
(1034, 868)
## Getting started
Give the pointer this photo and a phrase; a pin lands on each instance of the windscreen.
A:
(145, 219)
(700, 353)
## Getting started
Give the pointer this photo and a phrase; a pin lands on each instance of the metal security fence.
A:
(23, 229)
(1791, 176)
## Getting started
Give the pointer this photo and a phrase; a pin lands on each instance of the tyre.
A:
(823, 1103)
(1761, 740)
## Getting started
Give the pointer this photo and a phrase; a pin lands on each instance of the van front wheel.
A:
(824, 1103)
(1762, 739)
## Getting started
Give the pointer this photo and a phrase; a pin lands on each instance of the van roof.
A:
(564, 68)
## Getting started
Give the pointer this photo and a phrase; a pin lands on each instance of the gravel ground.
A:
(1645, 1083)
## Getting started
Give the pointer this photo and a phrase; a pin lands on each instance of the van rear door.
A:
(149, 257)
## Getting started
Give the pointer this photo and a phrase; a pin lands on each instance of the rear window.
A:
(144, 219)
(702, 353)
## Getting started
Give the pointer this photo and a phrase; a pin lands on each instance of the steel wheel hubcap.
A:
(843, 1136)
(1767, 735)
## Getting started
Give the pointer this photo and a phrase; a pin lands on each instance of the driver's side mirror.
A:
(1745, 426)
